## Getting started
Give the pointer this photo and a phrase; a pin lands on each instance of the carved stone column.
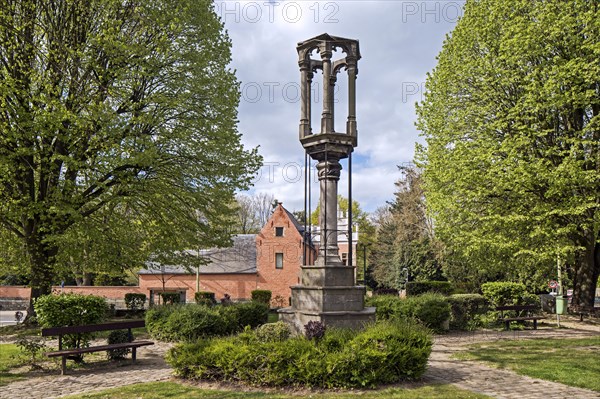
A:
(329, 175)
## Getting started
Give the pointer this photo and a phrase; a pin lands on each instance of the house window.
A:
(278, 231)
(345, 258)
(279, 260)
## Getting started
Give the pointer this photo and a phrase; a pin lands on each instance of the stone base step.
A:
(297, 319)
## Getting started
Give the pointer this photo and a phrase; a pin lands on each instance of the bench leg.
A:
(133, 355)
(534, 324)
(507, 325)
(63, 366)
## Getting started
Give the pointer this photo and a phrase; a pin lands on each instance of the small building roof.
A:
(240, 258)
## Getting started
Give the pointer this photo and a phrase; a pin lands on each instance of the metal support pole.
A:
(350, 241)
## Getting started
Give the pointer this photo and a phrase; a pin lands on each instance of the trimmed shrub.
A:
(432, 310)
(187, 322)
(467, 310)
(205, 298)
(251, 314)
(262, 296)
(505, 293)
(135, 301)
(170, 298)
(190, 322)
(414, 288)
(383, 353)
(70, 310)
(273, 332)
(386, 291)
(386, 305)
(118, 337)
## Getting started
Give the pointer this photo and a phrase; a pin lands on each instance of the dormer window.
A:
(278, 231)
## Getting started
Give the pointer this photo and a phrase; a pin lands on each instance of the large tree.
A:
(117, 127)
(511, 117)
(405, 236)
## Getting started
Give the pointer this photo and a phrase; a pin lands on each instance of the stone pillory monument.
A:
(327, 291)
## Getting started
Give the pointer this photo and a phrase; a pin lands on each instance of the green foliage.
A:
(135, 301)
(262, 296)
(250, 314)
(431, 309)
(405, 238)
(34, 351)
(118, 337)
(70, 310)
(186, 322)
(504, 293)
(191, 322)
(170, 298)
(121, 140)
(511, 119)
(273, 332)
(414, 288)
(382, 353)
(467, 311)
(387, 306)
(205, 298)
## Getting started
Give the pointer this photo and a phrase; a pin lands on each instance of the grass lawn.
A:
(574, 362)
(9, 360)
(172, 390)
(273, 317)
(20, 330)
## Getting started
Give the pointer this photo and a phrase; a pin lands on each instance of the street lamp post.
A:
(364, 249)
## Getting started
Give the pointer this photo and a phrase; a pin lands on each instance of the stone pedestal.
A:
(327, 294)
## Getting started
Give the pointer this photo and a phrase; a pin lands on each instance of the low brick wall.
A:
(14, 297)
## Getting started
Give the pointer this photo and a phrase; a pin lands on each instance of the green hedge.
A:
(70, 310)
(467, 310)
(384, 353)
(262, 296)
(135, 301)
(205, 298)
(414, 288)
(432, 310)
(191, 322)
(118, 337)
(170, 298)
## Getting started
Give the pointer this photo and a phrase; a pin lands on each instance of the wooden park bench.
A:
(527, 310)
(65, 353)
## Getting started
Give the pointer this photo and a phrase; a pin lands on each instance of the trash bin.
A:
(561, 304)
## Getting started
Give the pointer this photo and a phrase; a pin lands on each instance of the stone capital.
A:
(329, 170)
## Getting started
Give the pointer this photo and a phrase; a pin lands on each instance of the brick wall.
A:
(238, 286)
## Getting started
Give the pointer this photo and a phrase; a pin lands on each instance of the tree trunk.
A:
(586, 277)
(42, 271)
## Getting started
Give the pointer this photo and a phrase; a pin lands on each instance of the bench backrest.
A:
(120, 325)
(517, 307)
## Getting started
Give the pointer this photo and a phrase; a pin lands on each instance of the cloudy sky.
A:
(399, 41)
